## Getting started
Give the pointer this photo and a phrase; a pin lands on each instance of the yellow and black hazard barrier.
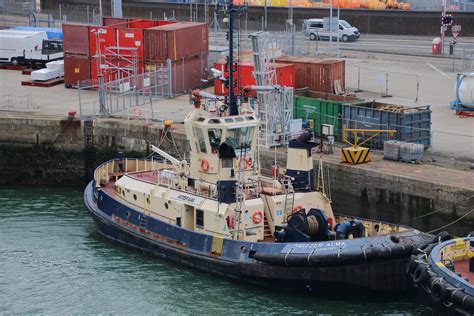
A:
(355, 155)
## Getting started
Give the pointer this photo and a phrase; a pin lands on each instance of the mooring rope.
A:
(451, 223)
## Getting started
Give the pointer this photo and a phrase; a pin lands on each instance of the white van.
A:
(17, 47)
(313, 29)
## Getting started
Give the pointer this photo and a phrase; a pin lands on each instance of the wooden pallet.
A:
(13, 67)
(27, 71)
(43, 84)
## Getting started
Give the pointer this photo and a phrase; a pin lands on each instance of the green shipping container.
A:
(322, 108)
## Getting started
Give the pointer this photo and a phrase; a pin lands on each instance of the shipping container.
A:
(412, 124)
(186, 74)
(163, 22)
(321, 108)
(103, 37)
(244, 76)
(76, 39)
(175, 41)
(109, 21)
(76, 68)
(316, 74)
(111, 72)
(140, 23)
(130, 38)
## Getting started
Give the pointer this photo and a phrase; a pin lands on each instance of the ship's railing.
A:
(117, 167)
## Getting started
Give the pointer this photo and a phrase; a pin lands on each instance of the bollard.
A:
(386, 95)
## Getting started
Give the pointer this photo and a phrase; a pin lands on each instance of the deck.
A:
(462, 267)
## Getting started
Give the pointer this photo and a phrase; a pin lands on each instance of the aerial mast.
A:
(232, 100)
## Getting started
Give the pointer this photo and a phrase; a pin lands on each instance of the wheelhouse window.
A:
(215, 135)
(199, 134)
(240, 138)
(227, 162)
(199, 218)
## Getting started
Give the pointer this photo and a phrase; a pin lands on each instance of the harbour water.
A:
(53, 261)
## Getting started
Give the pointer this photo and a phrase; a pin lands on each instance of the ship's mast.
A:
(232, 100)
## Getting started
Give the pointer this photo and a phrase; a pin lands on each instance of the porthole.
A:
(135, 197)
(166, 205)
(128, 215)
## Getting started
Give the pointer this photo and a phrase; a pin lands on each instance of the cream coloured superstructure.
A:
(189, 196)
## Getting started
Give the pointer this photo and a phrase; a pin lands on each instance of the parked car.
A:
(313, 29)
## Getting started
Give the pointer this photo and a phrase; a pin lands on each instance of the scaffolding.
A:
(275, 106)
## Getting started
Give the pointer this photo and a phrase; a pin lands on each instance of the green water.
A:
(53, 261)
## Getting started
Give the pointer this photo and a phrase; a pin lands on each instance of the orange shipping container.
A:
(316, 74)
(102, 37)
(130, 38)
(175, 41)
(244, 75)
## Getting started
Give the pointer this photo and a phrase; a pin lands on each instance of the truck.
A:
(314, 30)
(32, 47)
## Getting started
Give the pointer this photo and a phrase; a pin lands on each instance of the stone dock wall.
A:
(53, 151)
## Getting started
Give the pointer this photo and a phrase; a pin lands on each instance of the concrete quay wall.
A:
(46, 150)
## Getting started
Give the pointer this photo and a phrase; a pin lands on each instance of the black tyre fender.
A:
(439, 293)
(421, 274)
(411, 265)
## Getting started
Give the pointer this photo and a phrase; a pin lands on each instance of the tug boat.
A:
(444, 275)
(218, 213)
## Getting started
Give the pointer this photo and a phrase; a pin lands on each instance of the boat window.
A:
(240, 138)
(201, 141)
(250, 118)
(201, 119)
(178, 221)
(215, 135)
(214, 121)
(227, 162)
(239, 119)
(200, 218)
(229, 120)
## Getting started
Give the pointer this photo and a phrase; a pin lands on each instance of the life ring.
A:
(246, 162)
(137, 112)
(204, 165)
(297, 208)
(257, 217)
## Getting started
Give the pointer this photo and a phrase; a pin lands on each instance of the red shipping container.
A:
(106, 36)
(127, 37)
(76, 68)
(175, 41)
(109, 21)
(244, 75)
(140, 23)
(112, 72)
(187, 74)
(316, 74)
(163, 22)
(76, 39)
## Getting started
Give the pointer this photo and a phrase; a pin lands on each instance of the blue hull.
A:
(236, 259)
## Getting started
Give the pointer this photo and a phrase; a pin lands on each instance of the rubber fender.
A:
(429, 249)
(442, 236)
(345, 229)
(412, 264)
(464, 300)
(421, 274)
(439, 292)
